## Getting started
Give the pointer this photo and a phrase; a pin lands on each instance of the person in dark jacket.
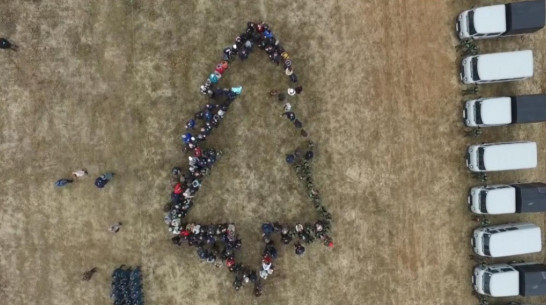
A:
(87, 275)
(299, 249)
(257, 289)
(286, 238)
(243, 54)
(6, 45)
(270, 250)
(290, 115)
(293, 78)
(63, 182)
(103, 179)
(190, 124)
(290, 159)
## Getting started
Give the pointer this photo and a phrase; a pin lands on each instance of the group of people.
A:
(302, 166)
(218, 243)
(100, 181)
(127, 286)
(468, 47)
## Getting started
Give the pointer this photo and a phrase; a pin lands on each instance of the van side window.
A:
(511, 229)
(506, 269)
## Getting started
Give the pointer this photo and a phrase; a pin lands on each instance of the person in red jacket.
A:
(230, 262)
(178, 188)
(220, 69)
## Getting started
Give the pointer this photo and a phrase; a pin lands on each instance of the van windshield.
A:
(486, 240)
(483, 198)
(478, 108)
(471, 28)
(487, 283)
(481, 161)
(475, 75)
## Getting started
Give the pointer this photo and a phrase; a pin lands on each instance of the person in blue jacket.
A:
(103, 179)
(63, 182)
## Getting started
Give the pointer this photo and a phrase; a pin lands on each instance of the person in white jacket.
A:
(79, 173)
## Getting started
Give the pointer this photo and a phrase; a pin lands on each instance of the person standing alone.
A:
(6, 45)
(63, 182)
(79, 173)
(103, 179)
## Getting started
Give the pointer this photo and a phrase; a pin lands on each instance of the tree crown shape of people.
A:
(219, 243)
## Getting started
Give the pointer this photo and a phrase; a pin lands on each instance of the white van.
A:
(497, 67)
(509, 280)
(492, 199)
(501, 20)
(507, 240)
(508, 199)
(506, 110)
(493, 157)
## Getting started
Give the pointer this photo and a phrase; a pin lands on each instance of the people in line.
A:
(218, 243)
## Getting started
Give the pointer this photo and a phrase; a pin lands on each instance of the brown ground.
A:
(108, 85)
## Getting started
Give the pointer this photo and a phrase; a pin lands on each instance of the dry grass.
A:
(108, 85)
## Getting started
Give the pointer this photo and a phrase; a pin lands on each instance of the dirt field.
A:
(108, 85)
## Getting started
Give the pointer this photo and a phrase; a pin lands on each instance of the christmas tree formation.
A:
(218, 243)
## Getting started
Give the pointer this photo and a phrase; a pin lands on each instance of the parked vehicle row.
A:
(505, 240)
(503, 280)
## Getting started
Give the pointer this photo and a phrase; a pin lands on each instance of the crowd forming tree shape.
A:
(219, 243)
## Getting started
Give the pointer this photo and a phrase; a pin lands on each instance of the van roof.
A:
(510, 156)
(532, 277)
(504, 284)
(490, 19)
(507, 65)
(530, 197)
(529, 108)
(527, 239)
(501, 200)
(497, 110)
